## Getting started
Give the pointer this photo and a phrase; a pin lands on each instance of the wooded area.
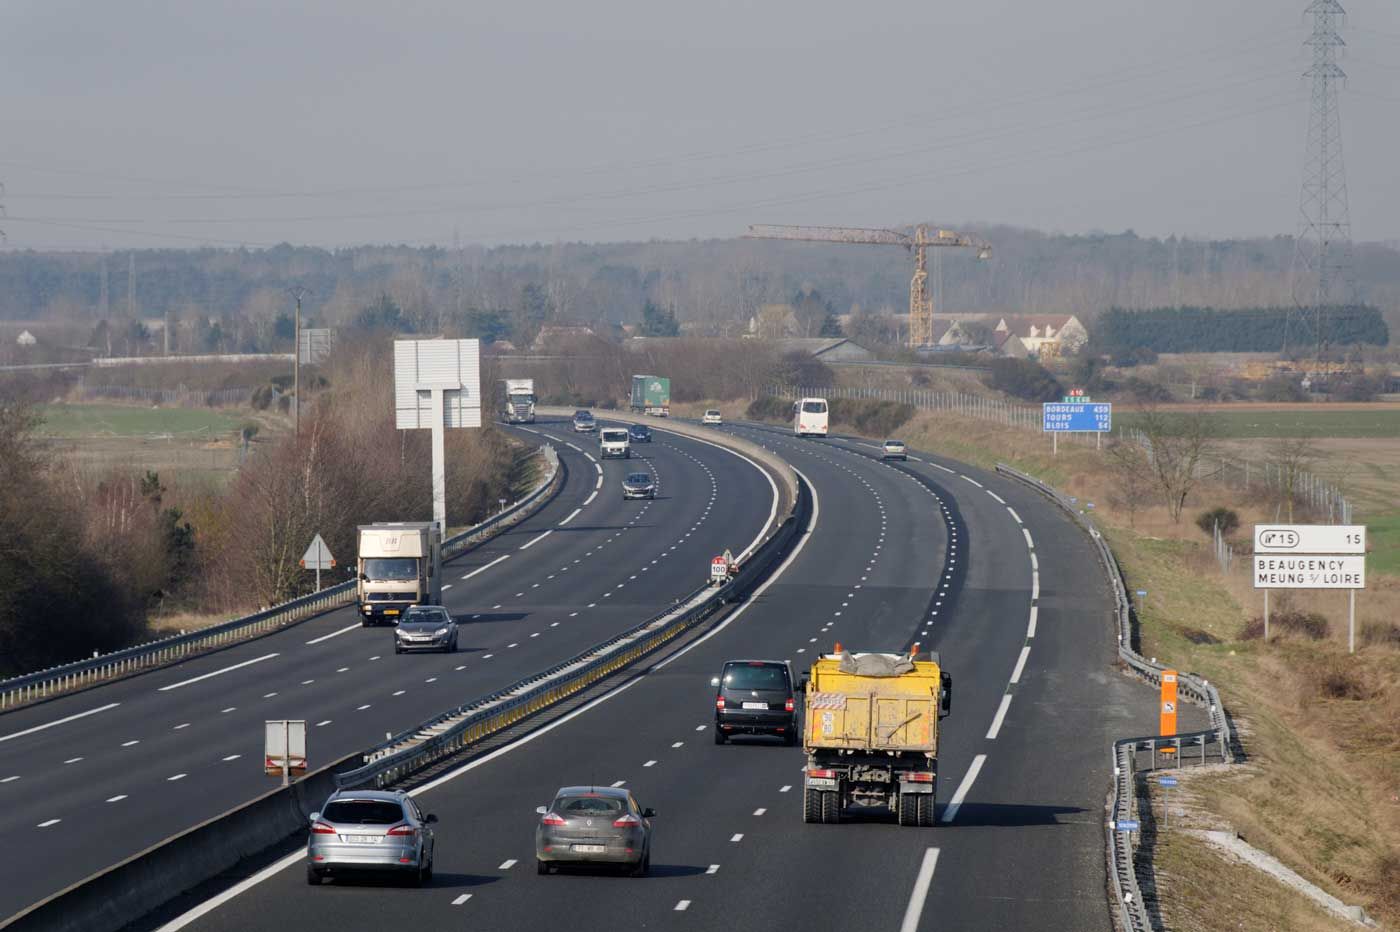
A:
(1246, 330)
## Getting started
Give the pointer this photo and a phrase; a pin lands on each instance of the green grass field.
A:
(1321, 422)
(99, 420)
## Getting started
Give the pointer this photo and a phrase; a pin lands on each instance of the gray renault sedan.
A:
(426, 627)
(370, 830)
(594, 825)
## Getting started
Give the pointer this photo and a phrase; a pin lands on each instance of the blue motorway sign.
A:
(1093, 417)
(1166, 781)
(1127, 825)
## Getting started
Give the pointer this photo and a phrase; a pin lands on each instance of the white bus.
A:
(809, 417)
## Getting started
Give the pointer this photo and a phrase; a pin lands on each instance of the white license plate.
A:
(361, 839)
(590, 849)
(820, 781)
(761, 706)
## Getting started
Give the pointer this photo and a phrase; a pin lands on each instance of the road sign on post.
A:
(437, 385)
(1311, 556)
(318, 557)
(1078, 415)
(284, 749)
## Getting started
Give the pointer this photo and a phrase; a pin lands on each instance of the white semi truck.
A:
(400, 564)
(519, 404)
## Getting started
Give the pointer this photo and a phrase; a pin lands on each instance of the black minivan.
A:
(755, 697)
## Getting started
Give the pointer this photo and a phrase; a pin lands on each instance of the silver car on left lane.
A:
(370, 830)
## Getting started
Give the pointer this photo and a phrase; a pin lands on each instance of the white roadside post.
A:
(1311, 556)
(437, 385)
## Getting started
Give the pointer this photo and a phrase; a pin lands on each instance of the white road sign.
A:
(1310, 538)
(318, 556)
(1274, 571)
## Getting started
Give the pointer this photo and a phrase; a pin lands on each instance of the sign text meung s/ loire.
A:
(1309, 572)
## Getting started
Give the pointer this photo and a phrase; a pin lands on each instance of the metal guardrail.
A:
(447, 734)
(44, 684)
(1132, 910)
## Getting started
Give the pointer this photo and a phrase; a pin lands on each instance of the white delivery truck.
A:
(399, 564)
(518, 406)
(614, 441)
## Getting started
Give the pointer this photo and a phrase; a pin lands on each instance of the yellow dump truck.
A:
(871, 734)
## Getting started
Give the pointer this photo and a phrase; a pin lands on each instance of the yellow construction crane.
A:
(920, 301)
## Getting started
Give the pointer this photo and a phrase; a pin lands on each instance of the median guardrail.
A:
(1132, 910)
(44, 684)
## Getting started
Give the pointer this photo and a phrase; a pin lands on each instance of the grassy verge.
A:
(1321, 787)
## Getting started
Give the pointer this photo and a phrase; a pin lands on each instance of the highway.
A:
(954, 558)
(88, 779)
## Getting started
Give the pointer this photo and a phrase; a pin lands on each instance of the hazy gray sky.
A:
(333, 123)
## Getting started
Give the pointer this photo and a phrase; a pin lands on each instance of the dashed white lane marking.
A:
(303, 682)
(1030, 630)
(701, 727)
(1014, 515)
(482, 569)
(759, 811)
(785, 788)
(618, 783)
(591, 495)
(951, 813)
(919, 894)
(594, 461)
(972, 480)
(447, 585)
(345, 669)
(737, 837)
(461, 899)
(334, 634)
(399, 692)
(1035, 561)
(944, 468)
(1035, 585)
(361, 708)
(127, 744)
(10, 779)
(118, 798)
(506, 864)
(682, 906)
(994, 495)
(178, 776)
(1000, 717)
(72, 760)
(232, 708)
(269, 695)
(196, 679)
(49, 822)
(712, 869)
(1020, 664)
(677, 744)
(180, 726)
(535, 540)
(650, 763)
(574, 446)
(232, 757)
(572, 516)
(323, 723)
(1030, 542)
(60, 721)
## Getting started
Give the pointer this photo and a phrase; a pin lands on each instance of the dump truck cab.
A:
(871, 734)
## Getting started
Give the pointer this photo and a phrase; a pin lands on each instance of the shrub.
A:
(1282, 388)
(1336, 680)
(769, 408)
(1226, 518)
(1385, 633)
(872, 418)
(1142, 390)
(1024, 378)
(1309, 625)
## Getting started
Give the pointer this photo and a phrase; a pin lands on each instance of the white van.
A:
(614, 441)
(809, 417)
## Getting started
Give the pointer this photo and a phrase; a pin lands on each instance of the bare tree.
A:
(1178, 443)
(1133, 479)
(1289, 459)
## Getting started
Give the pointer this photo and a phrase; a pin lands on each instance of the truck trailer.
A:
(399, 564)
(651, 394)
(518, 401)
(871, 734)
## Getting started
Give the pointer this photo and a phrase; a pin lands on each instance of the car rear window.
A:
(363, 812)
(814, 407)
(747, 676)
(587, 805)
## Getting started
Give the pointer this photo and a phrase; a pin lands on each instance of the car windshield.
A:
(610, 436)
(814, 407)
(639, 478)
(760, 676)
(418, 616)
(588, 805)
(391, 568)
(583, 416)
(363, 812)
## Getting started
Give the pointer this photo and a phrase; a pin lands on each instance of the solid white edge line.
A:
(570, 517)
(1021, 664)
(482, 569)
(218, 900)
(1030, 631)
(60, 721)
(206, 676)
(535, 540)
(920, 892)
(1000, 717)
(951, 812)
(334, 634)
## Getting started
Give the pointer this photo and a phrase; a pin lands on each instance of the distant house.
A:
(554, 336)
(26, 338)
(774, 322)
(827, 349)
(1046, 334)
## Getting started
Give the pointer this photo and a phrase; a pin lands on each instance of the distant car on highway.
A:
(638, 485)
(640, 433)
(755, 697)
(426, 627)
(584, 422)
(614, 441)
(712, 416)
(594, 825)
(894, 450)
(370, 830)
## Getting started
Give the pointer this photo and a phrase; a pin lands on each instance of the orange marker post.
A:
(1168, 707)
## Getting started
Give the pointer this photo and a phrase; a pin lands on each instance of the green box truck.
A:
(651, 394)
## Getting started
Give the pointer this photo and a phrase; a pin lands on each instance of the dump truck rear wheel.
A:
(908, 809)
(812, 805)
(926, 810)
(831, 808)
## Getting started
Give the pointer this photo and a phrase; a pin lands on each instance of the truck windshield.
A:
(391, 568)
(814, 407)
